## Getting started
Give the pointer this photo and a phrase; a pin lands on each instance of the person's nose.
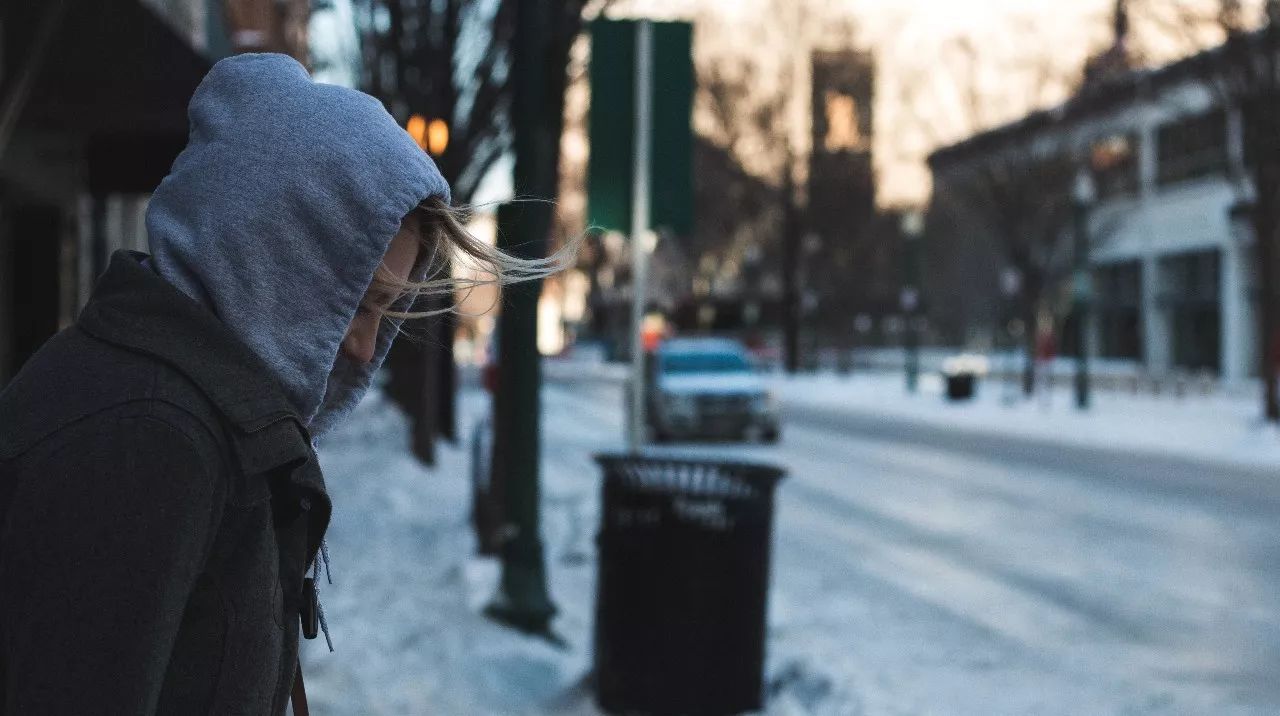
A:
(358, 345)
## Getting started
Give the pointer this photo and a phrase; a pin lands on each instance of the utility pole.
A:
(640, 180)
(791, 219)
(522, 600)
(1266, 222)
(1082, 284)
(790, 269)
(1250, 75)
(912, 229)
(1267, 214)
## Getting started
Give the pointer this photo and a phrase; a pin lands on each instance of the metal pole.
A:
(1083, 286)
(790, 270)
(522, 600)
(912, 228)
(640, 226)
(913, 353)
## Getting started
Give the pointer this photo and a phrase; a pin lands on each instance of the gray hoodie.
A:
(277, 214)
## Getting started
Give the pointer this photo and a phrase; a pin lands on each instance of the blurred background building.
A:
(93, 99)
(849, 266)
(1171, 247)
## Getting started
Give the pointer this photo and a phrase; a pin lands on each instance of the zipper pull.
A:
(309, 612)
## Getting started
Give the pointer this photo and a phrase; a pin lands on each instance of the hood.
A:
(711, 383)
(277, 214)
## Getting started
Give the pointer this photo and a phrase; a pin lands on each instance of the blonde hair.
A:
(446, 243)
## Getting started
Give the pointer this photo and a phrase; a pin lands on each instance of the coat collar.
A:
(134, 308)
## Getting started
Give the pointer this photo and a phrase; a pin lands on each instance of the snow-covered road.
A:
(920, 574)
(914, 573)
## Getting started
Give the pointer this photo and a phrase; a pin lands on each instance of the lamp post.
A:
(1084, 194)
(1010, 287)
(522, 600)
(912, 228)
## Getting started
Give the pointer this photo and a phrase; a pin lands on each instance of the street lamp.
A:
(432, 136)
(437, 137)
(1010, 287)
(912, 228)
(1084, 194)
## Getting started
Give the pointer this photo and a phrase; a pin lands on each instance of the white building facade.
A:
(1171, 247)
(1173, 255)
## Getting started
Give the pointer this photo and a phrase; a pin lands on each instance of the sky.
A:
(919, 75)
(949, 68)
(934, 58)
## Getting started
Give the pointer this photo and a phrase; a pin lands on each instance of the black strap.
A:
(299, 696)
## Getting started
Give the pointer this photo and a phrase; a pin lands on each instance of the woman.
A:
(160, 501)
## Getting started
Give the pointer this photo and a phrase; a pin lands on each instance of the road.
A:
(918, 570)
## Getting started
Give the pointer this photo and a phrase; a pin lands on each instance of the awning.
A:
(115, 79)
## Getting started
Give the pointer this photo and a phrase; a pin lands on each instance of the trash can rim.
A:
(755, 469)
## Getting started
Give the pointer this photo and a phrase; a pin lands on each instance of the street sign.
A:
(612, 127)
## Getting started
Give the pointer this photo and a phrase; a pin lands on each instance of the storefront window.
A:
(1119, 310)
(1115, 165)
(1190, 293)
(1192, 147)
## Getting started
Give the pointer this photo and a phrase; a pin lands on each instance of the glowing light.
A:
(437, 137)
(417, 128)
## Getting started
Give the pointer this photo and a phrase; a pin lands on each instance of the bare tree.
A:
(1166, 30)
(445, 60)
(1013, 209)
(451, 60)
(994, 207)
(736, 205)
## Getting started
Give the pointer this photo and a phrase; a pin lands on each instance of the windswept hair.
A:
(447, 243)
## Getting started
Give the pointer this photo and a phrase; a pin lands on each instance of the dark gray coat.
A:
(159, 504)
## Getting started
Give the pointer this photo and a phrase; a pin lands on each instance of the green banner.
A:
(612, 126)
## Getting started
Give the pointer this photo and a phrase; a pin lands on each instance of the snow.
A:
(405, 609)
(1217, 427)
(920, 581)
(1214, 425)
(405, 606)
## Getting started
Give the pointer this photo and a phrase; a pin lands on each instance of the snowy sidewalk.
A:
(405, 609)
(1217, 428)
(405, 606)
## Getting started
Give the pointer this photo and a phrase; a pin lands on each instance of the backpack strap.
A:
(299, 695)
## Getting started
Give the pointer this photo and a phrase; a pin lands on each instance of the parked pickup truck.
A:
(707, 388)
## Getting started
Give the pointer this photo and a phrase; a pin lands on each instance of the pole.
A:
(522, 600)
(790, 269)
(1266, 219)
(640, 227)
(912, 228)
(1082, 287)
(1265, 225)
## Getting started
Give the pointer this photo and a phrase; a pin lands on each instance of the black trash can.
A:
(682, 585)
(960, 386)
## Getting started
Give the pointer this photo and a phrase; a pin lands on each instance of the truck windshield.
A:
(704, 363)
